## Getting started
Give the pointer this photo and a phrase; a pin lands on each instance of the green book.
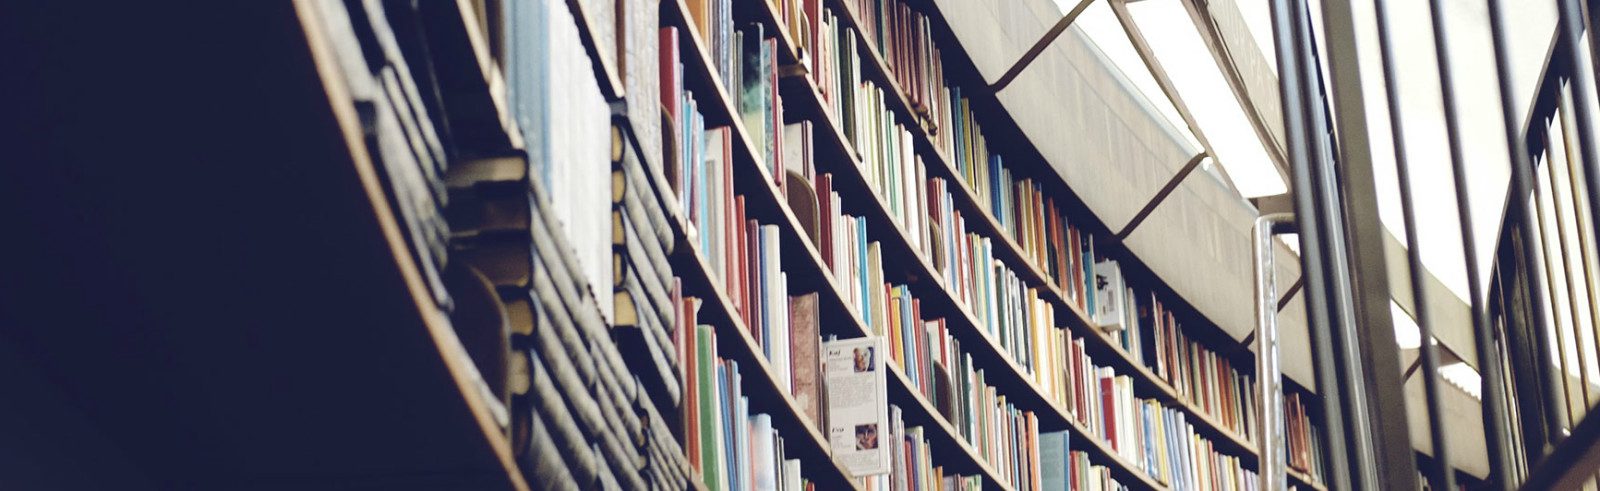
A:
(705, 344)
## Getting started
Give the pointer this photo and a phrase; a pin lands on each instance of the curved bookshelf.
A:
(920, 268)
(1014, 256)
(804, 90)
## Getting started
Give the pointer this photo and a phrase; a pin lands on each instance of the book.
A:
(801, 197)
(737, 448)
(805, 350)
(1110, 288)
(638, 61)
(550, 73)
(857, 388)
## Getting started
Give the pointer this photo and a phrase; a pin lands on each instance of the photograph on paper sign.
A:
(866, 437)
(864, 359)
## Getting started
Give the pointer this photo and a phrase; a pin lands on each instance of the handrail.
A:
(1269, 371)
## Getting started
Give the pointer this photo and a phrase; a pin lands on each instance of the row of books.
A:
(1304, 439)
(745, 256)
(1007, 308)
(1201, 376)
(1157, 438)
(904, 38)
(855, 262)
(883, 144)
(912, 467)
(403, 142)
(800, 18)
(702, 171)
(566, 125)
(1011, 312)
(1062, 468)
(732, 448)
(747, 62)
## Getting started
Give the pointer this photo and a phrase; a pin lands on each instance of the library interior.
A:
(801, 245)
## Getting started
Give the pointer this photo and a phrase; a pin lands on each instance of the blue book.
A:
(763, 285)
(996, 190)
(1088, 275)
(861, 265)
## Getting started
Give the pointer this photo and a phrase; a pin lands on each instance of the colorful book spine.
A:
(855, 262)
(1208, 381)
(731, 448)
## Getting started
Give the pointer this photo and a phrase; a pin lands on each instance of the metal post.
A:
(1582, 80)
(1364, 339)
(1430, 357)
(1494, 394)
(1273, 446)
(1522, 182)
(1291, 85)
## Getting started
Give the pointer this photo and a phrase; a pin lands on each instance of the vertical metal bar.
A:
(1521, 180)
(1571, 24)
(1577, 189)
(1560, 258)
(1518, 338)
(1492, 411)
(1499, 315)
(1274, 458)
(1442, 473)
(1290, 86)
(1550, 286)
(1366, 332)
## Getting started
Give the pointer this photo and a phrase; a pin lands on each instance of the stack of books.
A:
(399, 127)
(644, 290)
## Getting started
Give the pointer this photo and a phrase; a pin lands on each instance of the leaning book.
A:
(858, 409)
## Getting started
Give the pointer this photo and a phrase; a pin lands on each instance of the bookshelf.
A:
(420, 363)
(803, 100)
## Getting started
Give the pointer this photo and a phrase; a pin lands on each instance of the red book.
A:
(691, 383)
(739, 261)
(668, 53)
(1108, 401)
(813, 9)
(825, 214)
